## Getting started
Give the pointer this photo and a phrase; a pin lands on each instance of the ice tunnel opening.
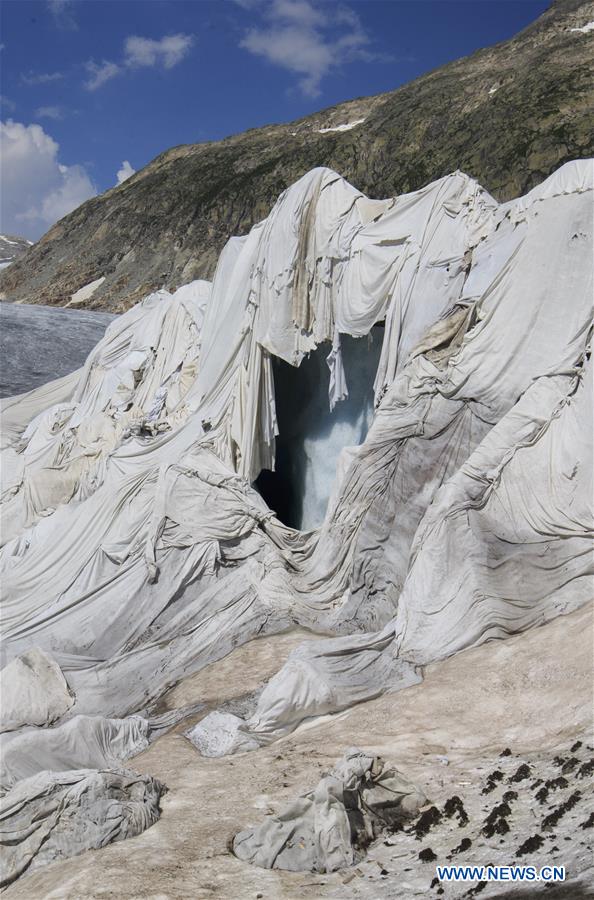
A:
(311, 437)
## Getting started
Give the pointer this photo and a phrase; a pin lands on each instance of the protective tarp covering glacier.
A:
(56, 815)
(329, 827)
(136, 549)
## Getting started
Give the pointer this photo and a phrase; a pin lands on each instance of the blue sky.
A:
(89, 84)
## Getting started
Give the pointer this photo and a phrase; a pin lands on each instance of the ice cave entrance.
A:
(310, 436)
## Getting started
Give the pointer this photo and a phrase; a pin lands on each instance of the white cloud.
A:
(168, 52)
(299, 12)
(7, 104)
(125, 171)
(100, 73)
(63, 14)
(307, 40)
(32, 78)
(37, 189)
(50, 112)
(140, 53)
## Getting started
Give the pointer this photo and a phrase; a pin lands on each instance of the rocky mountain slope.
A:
(11, 248)
(507, 115)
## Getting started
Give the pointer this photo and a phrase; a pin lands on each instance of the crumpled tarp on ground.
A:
(330, 827)
(55, 815)
(83, 742)
(135, 549)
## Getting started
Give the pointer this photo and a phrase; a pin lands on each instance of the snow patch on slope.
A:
(17, 243)
(345, 127)
(11, 247)
(585, 28)
(86, 291)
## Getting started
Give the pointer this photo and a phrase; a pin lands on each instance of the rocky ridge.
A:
(11, 248)
(507, 115)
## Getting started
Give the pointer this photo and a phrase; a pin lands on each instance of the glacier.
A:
(441, 480)
(312, 434)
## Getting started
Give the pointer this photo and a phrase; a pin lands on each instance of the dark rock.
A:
(530, 845)
(558, 813)
(464, 845)
(426, 821)
(493, 779)
(454, 807)
(496, 821)
(554, 784)
(12, 247)
(427, 855)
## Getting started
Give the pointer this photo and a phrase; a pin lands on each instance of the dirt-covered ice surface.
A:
(530, 695)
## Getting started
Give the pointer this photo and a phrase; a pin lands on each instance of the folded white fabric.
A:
(55, 815)
(330, 827)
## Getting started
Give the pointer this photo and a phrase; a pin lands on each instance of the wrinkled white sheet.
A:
(83, 742)
(136, 550)
(33, 691)
(55, 815)
(505, 546)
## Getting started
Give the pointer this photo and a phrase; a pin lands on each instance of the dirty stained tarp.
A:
(135, 549)
(329, 827)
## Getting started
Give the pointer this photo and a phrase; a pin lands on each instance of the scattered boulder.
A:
(455, 808)
(530, 845)
(492, 781)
